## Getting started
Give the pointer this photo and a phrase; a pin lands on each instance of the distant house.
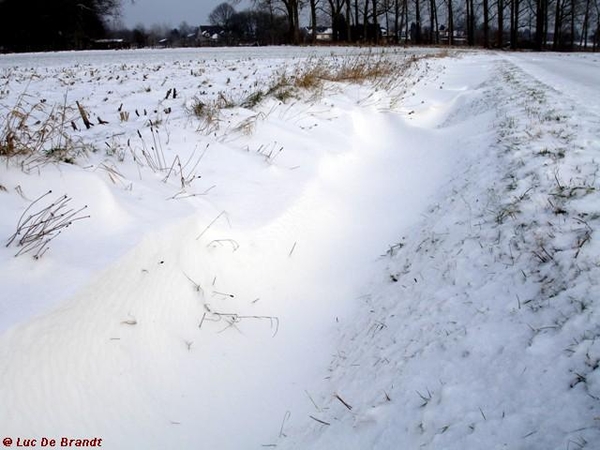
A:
(210, 34)
(323, 34)
(110, 44)
(459, 36)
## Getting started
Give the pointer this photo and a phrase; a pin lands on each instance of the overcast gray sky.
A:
(169, 12)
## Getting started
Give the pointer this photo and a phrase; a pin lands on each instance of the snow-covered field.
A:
(409, 260)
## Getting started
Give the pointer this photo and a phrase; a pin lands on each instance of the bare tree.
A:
(417, 32)
(375, 23)
(470, 19)
(292, 11)
(541, 19)
(433, 22)
(222, 15)
(558, 24)
(313, 19)
(500, 16)
(338, 20)
(450, 23)
(583, 40)
(515, 13)
(486, 23)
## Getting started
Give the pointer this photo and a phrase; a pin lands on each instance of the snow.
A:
(574, 75)
(362, 265)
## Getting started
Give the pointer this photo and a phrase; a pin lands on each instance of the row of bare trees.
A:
(33, 25)
(558, 24)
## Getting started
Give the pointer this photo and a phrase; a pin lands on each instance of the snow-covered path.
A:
(575, 76)
(241, 317)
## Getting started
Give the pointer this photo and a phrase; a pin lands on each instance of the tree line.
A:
(536, 24)
(227, 27)
(38, 25)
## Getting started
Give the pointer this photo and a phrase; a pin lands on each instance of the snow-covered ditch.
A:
(404, 261)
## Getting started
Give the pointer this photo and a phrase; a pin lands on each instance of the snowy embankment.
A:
(379, 263)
